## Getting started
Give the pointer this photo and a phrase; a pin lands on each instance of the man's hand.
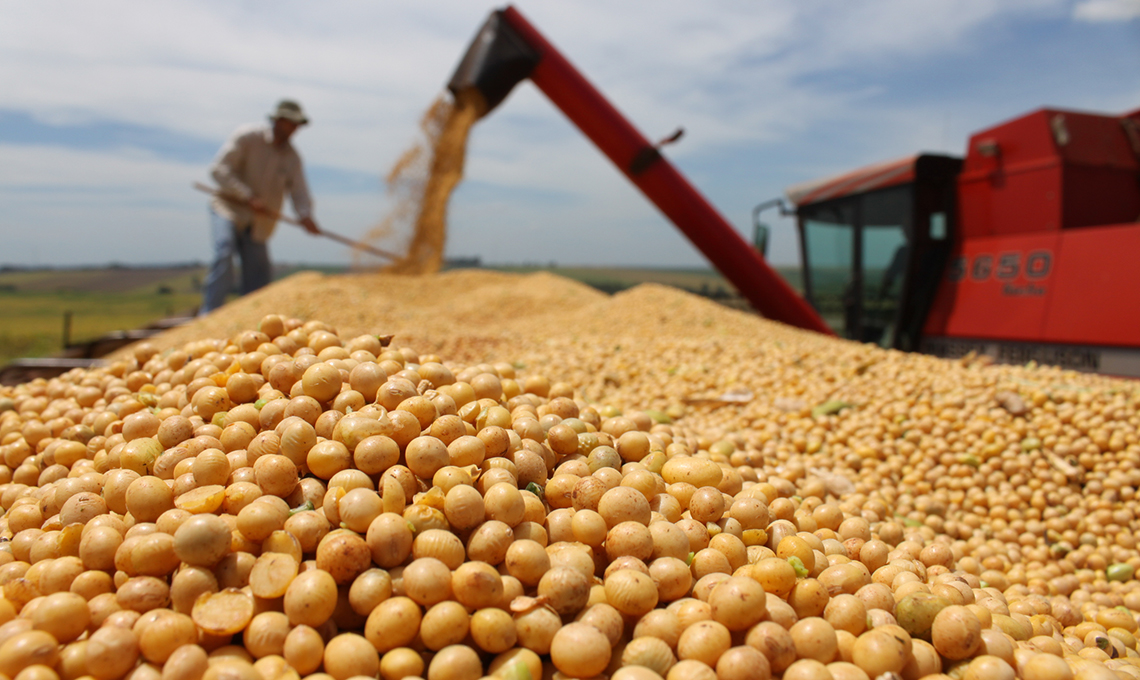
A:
(257, 205)
(310, 225)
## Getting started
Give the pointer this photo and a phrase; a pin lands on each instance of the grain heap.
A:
(644, 486)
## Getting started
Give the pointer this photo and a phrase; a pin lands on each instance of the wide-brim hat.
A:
(289, 110)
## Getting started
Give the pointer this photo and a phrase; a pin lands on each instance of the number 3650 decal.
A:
(1035, 265)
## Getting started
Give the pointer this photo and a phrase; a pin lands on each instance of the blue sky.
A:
(111, 110)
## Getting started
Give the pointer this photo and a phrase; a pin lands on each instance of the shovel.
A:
(358, 245)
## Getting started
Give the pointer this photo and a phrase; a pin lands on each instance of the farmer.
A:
(255, 168)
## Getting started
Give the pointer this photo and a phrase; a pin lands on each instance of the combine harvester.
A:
(508, 49)
(1023, 251)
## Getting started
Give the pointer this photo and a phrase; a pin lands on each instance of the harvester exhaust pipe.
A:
(508, 49)
(497, 60)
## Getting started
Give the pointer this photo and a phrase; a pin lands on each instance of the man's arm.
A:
(301, 200)
(226, 166)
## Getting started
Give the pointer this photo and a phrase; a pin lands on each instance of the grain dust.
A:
(421, 181)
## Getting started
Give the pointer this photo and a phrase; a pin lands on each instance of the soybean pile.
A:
(475, 475)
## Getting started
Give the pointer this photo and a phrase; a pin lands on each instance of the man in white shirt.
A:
(255, 169)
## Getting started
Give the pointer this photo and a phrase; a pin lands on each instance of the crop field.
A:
(33, 302)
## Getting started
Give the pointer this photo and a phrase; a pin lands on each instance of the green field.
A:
(33, 303)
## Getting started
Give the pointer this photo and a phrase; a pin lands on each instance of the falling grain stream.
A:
(422, 180)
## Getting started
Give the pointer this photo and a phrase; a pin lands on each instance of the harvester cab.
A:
(872, 242)
(1023, 250)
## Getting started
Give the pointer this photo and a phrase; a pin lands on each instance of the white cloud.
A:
(1106, 10)
(128, 206)
(41, 167)
(366, 71)
(742, 78)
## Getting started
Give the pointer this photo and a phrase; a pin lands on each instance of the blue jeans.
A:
(228, 241)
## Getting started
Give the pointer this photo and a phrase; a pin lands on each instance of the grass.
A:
(33, 304)
(33, 322)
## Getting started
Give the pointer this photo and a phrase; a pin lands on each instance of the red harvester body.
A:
(1025, 249)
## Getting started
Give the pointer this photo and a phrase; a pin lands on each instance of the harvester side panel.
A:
(989, 291)
(1073, 286)
(1096, 301)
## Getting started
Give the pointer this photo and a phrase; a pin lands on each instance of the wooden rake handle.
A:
(357, 245)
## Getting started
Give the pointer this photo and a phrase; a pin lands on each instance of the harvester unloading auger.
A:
(508, 49)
